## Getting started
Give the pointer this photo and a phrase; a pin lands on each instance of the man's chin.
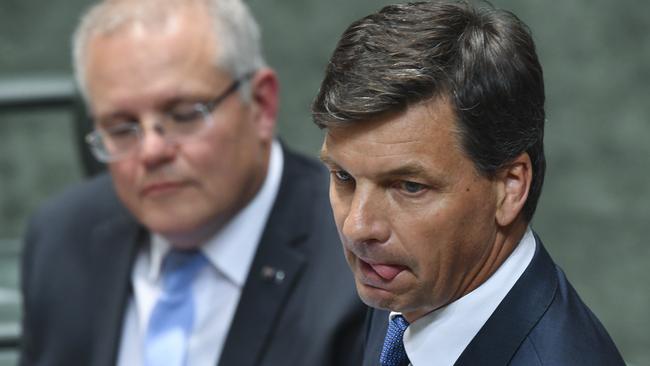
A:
(376, 297)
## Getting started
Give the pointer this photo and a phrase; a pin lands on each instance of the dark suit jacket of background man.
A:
(80, 248)
(541, 321)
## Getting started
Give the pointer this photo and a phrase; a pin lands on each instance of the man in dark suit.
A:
(207, 243)
(435, 116)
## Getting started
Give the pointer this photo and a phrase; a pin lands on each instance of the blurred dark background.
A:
(595, 210)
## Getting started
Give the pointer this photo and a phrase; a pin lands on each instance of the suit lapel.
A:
(376, 326)
(500, 337)
(114, 248)
(275, 270)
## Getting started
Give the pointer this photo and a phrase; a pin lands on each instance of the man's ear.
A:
(265, 96)
(513, 186)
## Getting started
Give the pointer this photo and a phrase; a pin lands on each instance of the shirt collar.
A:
(440, 337)
(232, 249)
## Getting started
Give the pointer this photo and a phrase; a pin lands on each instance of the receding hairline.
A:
(117, 18)
(111, 16)
(142, 16)
(235, 32)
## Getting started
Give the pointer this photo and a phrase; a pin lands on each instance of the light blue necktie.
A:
(393, 352)
(172, 319)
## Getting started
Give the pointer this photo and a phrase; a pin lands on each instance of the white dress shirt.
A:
(217, 288)
(439, 338)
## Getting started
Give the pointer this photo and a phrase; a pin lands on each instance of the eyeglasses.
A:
(114, 142)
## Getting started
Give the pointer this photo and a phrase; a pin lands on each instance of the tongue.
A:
(387, 272)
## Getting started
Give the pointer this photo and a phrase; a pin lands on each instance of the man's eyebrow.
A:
(409, 169)
(326, 159)
(111, 117)
(176, 99)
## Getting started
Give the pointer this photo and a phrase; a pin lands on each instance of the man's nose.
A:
(155, 148)
(366, 218)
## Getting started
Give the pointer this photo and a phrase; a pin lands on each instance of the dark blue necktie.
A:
(172, 319)
(393, 352)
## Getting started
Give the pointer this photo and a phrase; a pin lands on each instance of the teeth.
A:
(387, 272)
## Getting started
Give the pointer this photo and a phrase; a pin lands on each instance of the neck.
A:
(506, 240)
(195, 238)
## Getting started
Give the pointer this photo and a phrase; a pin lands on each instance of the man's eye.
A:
(342, 176)
(121, 130)
(186, 113)
(411, 187)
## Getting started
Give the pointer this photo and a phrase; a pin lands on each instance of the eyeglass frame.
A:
(94, 138)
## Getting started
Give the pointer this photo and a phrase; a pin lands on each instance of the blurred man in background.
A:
(208, 243)
(435, 121)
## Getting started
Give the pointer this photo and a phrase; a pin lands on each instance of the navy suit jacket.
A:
(79, 252)
(541, 321)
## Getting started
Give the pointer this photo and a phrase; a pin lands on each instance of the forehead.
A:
(185, 27)
(142, 59)
(424, 135)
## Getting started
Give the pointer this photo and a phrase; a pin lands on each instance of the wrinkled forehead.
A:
(419, 121)
(427, 127)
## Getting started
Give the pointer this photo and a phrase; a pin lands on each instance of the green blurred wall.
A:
(595, 209)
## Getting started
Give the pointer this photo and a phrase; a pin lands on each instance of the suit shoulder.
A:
(570, 333)
(91, 199)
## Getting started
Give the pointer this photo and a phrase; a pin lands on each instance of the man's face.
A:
(416, 220)
(187, 189)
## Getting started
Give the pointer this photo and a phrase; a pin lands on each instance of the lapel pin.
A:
(271, 274)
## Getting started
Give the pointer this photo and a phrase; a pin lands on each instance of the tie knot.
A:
(179, 269)
(399, 324)
(393, 352)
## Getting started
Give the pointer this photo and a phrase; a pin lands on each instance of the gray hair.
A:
(237, 33)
